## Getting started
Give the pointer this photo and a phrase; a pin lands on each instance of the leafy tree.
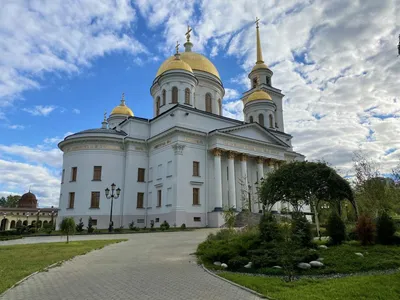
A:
(385, 229)
(229, 215)
(10, 201)
(269, 228)
(67, 227)
(336, 229)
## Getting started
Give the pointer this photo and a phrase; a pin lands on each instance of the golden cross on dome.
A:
(123, 96)
(257, 20)
(188, 33)
(177, 47)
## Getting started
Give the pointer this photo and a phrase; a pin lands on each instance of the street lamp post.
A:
(112, 197)
(37, 220)
(27, 222)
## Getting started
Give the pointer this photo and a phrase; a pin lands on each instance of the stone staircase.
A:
(244, 218)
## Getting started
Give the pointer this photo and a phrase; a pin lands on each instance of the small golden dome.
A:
(176, 64)
(195, 60)
(122, 109)
(258, 66)
(258, 95)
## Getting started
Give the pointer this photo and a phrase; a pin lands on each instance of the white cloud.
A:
(231, 94)
(40, 110)
(16, 126)
(76, 111)
(58, 36)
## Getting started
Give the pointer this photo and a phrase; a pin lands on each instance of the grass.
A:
(18, 261)
(375, 287)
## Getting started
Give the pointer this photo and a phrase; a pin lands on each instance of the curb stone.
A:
(235, 284)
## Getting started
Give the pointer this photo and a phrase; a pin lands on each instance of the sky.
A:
(64, 62)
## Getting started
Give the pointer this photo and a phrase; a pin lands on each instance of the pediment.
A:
(255, 132)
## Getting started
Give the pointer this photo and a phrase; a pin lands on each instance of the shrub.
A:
(269, 228)
(183, 226)
(301, 231)
(352, 235)
(79, 226)
(164, 226)
(336, 229)
(90, 228)
(365, 230)
(237, 262)
(48, 228)
(67, 227)
(385, 229)
(119, 230)
(132, 225)
(223, 234)
(32, 230)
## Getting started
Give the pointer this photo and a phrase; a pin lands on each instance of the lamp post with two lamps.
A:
(112, 197)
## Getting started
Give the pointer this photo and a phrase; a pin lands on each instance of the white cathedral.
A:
(185, 164)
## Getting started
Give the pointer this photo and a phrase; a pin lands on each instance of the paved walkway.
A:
(153, 266)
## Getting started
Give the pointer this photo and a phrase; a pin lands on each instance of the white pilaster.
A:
(218, 179)
(243, 166)
(260, 168)
(231, 182)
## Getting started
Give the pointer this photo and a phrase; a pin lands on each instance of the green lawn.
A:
(18, 261)
(374, 287)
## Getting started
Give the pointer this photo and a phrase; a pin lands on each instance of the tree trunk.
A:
(316, 219)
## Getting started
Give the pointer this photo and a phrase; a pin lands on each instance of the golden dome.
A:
(176, 64)
(122, 109)
(195, 60)
(258, 95)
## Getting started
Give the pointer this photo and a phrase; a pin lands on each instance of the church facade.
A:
(185, 164)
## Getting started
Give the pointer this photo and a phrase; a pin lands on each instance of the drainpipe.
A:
(147, 183)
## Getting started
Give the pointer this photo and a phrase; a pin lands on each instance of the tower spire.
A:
(259, 51)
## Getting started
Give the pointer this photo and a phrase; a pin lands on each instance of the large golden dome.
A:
(258, 95)
(195, 60)
(122, 109)
(175, 64)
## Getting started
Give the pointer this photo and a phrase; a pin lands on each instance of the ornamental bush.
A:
(164, 226)
(385, 229)
(365, 230)
(269, 228)
(90, 228)
(301, 230)
(336, 229)
(79, 226)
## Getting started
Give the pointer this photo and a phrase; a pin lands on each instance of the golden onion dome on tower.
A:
(258, 95)
(175, 64)
(122, 109)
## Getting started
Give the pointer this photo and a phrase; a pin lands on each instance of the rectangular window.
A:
(197, 219)
(196, 171)
(140, 221)
(196, 192)
(169, 168)
(140, 197)
(159, 171)
(95, 200)
(62, 176)
(74, 172)
(140, 175)
(97, 173)
(71, 200)
(94, 222)
(159, 198)
(157, 220)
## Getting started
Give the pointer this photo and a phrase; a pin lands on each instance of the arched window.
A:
(220, 107)
(208, 103)
(40, 224)
(19, 223)
(187, 96)
(251, 119)
(271, 121)
(12, 224)
(158, 106)
(25, 223)
(174, 94)
(261, 119)
(254, 82)
(268, 81)
(164, 97)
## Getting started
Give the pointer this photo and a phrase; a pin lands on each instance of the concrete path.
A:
(153, 266)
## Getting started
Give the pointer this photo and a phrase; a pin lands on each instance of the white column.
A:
(231, 182)
(218, 180)
(243, 166)
(260, 169)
